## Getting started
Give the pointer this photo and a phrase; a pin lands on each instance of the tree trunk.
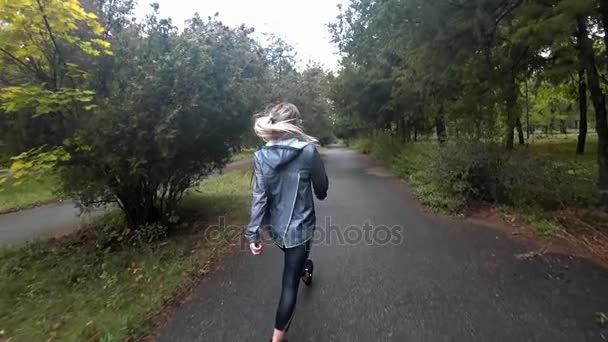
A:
(402, 128)
(512, 113)
(527, 111)
(582, 106)
(440, 125)
(604, 18)
(520, 132)
(599, 104)
(563, 128)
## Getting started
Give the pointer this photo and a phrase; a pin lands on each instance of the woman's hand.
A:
(257, 248)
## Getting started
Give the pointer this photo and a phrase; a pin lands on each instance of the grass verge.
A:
(412, 162)
(415, 162)
(244, 154)
(28, 194)
(73, 290)
(41, 190)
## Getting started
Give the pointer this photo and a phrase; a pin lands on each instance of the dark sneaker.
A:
(307, 274)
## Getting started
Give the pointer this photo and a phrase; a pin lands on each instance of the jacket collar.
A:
(289, 142)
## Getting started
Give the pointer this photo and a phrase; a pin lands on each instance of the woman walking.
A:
(287, 172)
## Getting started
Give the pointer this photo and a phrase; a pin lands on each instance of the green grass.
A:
(545, 227)
(43, 189)
(27, 194)
(71, 290)
(562, 150)
(246, 153)
(543, 224)
(415, 162)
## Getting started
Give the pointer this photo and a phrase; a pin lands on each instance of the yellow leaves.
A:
(87, 48)
(101, 46)
(101, 43)
(3, 179)
(24, 33)
(37, 161)
(42, 101)
(19, 166)
(74, 5)
(97, 29)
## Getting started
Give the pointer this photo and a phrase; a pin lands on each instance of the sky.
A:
(302, 23)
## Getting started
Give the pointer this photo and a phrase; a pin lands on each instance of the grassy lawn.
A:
(33, 192)
(73, 290)
(562, 150)
(27, 194)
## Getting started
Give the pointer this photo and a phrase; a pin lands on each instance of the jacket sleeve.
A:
(259, 205)
(319, 176)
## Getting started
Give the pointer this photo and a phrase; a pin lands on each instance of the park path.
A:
(448, 280)
(52, 220)
(57, 219)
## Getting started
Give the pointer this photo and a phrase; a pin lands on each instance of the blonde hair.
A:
(280, 121)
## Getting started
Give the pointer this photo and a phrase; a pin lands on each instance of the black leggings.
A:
(292, 271)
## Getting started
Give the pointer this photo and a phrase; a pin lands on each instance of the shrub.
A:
(477, 171)
(159, 130)
(326, 139)
(386, 147)
(111, 229)
(149, 233)
(412, 161)
(382, 146)
(108, 229)
(363, 145)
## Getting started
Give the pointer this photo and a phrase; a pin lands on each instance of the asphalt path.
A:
(444, 280)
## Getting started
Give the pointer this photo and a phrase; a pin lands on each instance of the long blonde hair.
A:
(282, 120)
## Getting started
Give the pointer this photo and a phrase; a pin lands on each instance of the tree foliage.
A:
(160, 130)
(42, 43)
(134, 114)
(307, 88)
(463, 68)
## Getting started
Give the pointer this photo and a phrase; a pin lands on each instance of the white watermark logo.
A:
(328, 234)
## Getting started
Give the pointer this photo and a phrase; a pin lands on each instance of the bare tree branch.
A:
(61, 60)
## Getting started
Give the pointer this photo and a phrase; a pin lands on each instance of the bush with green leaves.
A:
(177, 105)
(485, 171)
(137, 113)
(382, 146)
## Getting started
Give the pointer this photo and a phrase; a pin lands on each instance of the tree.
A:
(153, 130)
(461, 67)
(281, 57)
(598, 98)
(43, 89)
(161, 130)
(582, 101)
(310, 93)
(308, 89)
